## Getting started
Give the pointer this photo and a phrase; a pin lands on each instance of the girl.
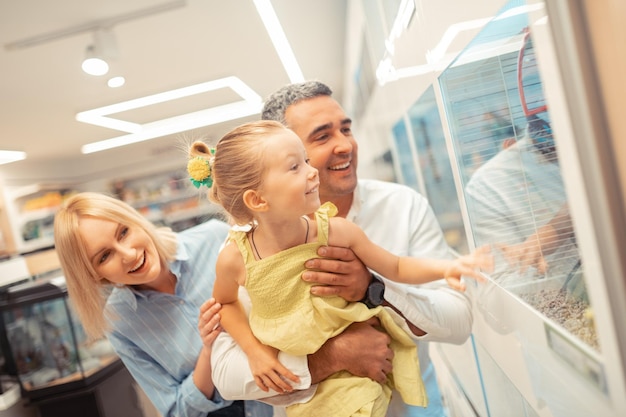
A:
(260, 175)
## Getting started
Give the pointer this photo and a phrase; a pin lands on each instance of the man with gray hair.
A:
(392, 215)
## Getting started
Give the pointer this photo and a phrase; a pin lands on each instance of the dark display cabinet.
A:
(59, 370)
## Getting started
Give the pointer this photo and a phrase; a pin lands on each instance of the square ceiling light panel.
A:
(249, 104)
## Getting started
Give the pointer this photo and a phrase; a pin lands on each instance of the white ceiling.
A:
(42, 86)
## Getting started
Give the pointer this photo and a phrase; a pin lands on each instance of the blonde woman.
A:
(147, 288)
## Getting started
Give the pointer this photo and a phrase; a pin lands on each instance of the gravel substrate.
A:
(574, 315)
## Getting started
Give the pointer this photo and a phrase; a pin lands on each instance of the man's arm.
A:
(360, 349)
(431, 311)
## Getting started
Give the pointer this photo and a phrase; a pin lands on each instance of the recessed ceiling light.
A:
(116, 82)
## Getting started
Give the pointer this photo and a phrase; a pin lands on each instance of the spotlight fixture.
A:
(94, 64)
(102, 49)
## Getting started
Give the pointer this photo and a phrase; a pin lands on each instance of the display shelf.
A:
(30, 211)
(166, 198)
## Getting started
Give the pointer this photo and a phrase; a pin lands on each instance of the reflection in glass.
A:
(404, 155)
(509, 168)
(435, 169)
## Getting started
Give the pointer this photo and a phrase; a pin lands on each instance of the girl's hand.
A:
(469, 265)
(268, 372)
(209, 322)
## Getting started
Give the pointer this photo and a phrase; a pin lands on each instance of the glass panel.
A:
(503, 398)
(42, 343)
(404, 156)
(47, 346)
(434, 165)
(509, 168)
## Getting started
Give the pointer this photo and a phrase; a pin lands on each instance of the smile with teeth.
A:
(140, 263)
(341, 166)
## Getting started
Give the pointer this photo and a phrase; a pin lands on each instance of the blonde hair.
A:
(87, 291)
(237, 165)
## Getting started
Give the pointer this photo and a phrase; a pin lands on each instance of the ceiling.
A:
(161, 45)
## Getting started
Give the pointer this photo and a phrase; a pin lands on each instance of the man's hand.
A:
(361, 349)
(338, 272)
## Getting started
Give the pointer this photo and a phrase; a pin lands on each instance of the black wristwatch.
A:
(375, 294)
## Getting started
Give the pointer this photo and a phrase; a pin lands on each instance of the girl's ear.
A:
(254, 201)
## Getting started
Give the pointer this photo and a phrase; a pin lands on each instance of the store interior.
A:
(468, 107)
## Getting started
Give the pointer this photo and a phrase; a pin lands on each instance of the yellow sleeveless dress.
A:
(286, 316)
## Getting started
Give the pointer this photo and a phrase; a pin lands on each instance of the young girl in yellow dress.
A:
(260, 174)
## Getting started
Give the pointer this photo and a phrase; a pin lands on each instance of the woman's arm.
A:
(170, 396)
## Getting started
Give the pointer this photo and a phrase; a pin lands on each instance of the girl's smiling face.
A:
(121, 254)
(290, 183)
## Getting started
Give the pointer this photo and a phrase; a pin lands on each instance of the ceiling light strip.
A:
(98, 116)
(177, 124)
(251, 104)
(279, 39)
(11, 156)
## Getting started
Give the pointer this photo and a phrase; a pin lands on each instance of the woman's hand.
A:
(209, 322)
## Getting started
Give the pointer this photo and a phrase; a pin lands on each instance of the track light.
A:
(102, 50)
(94, 64)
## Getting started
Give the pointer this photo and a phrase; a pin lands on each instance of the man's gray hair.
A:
(276, 104)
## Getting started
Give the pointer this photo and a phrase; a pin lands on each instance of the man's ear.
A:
(254, 201)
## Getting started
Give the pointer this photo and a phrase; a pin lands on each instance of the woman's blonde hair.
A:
(87, 291)
(237, 165)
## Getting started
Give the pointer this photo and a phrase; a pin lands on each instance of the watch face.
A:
(376, 293)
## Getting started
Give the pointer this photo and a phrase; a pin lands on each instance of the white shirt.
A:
(509, 197)
(400, 220)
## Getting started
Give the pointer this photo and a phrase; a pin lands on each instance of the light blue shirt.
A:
(156, 334)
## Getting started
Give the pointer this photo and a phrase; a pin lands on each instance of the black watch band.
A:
(375, 294)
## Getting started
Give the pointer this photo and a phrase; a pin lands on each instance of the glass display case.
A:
(520, 114)
(45, 346)
(540, 346)
(422, 155)
(511, 177)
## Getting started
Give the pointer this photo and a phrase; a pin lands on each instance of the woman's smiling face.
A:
(121, 254)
